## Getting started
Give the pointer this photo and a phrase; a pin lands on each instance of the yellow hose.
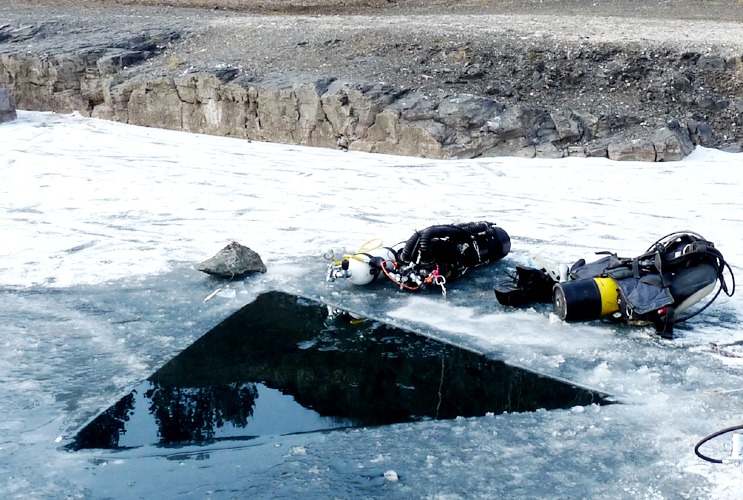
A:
(364, 248)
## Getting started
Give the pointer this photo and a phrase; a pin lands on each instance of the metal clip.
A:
(440, 281)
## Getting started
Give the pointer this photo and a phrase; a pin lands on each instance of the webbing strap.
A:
(659, 266)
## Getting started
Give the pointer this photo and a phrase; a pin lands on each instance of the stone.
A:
(7, 106)
(671, 144)
(577, 152)
(113, 63)
(567, 125)
(701, 133)
(467, 111)
(589, 124)
(548, 151)
(681, 82)
(632, 150)
(155, 103)
(711, 63)
(598, 149)
(509, 124)
(706, 102)
(232, 261)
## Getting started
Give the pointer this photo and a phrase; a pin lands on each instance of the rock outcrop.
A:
(115, 81)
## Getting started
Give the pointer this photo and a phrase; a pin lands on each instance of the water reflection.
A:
(193, 413)
(285, 364)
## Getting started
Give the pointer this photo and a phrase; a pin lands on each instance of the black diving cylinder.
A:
(585, 299)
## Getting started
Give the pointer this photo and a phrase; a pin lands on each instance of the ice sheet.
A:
(103, 225)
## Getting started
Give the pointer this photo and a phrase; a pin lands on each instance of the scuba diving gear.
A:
(363, 266)
(448, 251)
(528, 285)
(675, 273)
(458, 247)
(432, 256)
(585, 300)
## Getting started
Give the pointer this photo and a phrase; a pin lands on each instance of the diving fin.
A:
(527, 286)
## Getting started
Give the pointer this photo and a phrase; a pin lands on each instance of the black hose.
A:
(425, 243)
(407, 252)
(422, 240)
(710, 437)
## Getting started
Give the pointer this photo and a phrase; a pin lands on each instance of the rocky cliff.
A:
(520, 99)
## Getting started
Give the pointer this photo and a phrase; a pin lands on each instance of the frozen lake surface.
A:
(103, 225)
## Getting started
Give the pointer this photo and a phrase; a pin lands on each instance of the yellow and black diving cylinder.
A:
(585, 299)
